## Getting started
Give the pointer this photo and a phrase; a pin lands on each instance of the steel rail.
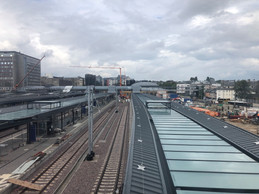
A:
(110, 171)
(80, 139)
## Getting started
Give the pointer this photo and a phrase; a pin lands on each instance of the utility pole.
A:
(116, 96)
(90, 154)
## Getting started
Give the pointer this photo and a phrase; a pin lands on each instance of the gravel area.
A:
(85, 177)
(246, 126)
(56, 152)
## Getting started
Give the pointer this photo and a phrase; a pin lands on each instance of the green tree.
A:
(194, 79)
(242, 89)
(168, 84)
(210, 79)
(201, 92)
(257, 89)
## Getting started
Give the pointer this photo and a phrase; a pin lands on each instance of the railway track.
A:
(56, 170)
(8, 133)
(110, 176)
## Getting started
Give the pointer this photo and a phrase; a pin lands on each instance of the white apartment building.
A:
(162, 94)
(182, 88)
(225, 93)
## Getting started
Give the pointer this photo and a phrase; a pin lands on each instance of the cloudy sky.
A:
(155, 40)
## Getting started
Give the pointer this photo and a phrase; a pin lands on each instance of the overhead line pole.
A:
(90, 154)
(120, 76)
(116, 98)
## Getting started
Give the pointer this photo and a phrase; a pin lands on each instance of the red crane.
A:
(17, 85)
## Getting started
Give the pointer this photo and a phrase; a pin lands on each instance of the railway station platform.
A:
(173, 149)
(16, 162)
(42, 118)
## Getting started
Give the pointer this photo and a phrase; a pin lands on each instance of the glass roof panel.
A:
(187, 148)
(32, 112)
(208, 137)
(215, 180)
(209, 166)
(175, 127)
(239, 157)
(20, 114)
(192, 142)
(199, 159)
(184, 132)
(178, 123)
(197, 192)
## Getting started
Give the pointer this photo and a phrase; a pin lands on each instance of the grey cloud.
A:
(200, 7)
(110, 32)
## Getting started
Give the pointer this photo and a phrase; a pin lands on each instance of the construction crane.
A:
(17, 85)
(102, 67)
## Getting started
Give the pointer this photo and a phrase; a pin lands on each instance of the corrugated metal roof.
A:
(223, 172)
(144, 174)
(237, 137)
(199, 159)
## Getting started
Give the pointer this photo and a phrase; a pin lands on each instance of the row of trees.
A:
(244, 91)
(242, 88)
(208, 79)
(167, 84)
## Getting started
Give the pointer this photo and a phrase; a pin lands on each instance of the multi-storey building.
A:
(182, 88)
(49, 81)
(62, 81)
(225, 94)
(228, 83)
(99, 81)
(90, 79)
(13, 68)
(110, 81)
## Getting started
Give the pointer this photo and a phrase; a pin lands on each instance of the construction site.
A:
(237, 115)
